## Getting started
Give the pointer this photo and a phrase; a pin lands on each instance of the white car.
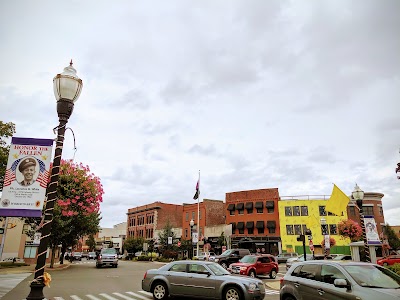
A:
(204, 255)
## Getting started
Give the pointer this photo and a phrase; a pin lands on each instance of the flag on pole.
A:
(196, 196)
(338, 201)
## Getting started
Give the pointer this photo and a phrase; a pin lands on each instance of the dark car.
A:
(230, 256)
(291, 261)
(253, 265)
(342, 257)
(107, 256)
(283, 257)
(77, 256)
(331, 280)
(200, 279)
(91, 255)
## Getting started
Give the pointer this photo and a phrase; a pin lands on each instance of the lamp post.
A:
(67, 88)
(358, 195)
(325, 233)
(191, 223)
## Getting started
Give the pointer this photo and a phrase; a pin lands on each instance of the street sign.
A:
(1, 230)
(195, 238)
(170, 240)
(311, 245)
(36, 238)
(145, 246)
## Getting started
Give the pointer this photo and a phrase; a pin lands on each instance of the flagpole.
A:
(198, 219)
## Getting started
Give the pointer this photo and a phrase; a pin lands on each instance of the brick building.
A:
(254, 217)
(143, 221)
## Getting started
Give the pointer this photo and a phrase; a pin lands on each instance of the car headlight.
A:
(252, 287)
(216, 260)
(243, 268)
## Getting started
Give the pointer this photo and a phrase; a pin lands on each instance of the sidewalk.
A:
(31, 268)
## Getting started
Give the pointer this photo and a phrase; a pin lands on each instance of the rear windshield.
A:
(109, 251)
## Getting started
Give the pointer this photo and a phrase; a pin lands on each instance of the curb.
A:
(31, 269)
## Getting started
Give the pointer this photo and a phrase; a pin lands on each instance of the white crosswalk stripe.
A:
(149, 295)
(92, 297)
(271, 292)
(10, 281)
(75, 297)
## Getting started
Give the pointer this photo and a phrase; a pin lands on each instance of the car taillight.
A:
(99, 256)
(145, 274)
(281, 281)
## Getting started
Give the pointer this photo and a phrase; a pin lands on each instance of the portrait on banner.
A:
(371, 231)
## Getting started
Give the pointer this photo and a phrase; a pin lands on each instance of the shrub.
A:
(395, 268)
(351, 229)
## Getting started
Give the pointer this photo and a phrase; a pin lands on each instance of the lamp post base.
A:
(36, 292)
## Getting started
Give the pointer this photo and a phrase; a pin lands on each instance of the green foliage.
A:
(91, 243)
(393, 239)
(394, 268)
(165, 233)
(133, 245)
(7, 130)
(222, 240)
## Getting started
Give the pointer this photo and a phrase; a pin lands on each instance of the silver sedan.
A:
(202, 279)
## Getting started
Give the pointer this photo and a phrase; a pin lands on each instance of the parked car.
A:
(342, 257)
(231, 256)
(323, 279)
(204, 255)
(200, 279)
(107, 256)
(14, 260)
(389, 260)
(77, 256)
(283, 257)
(293, 260)
(253, 265)
(85, 254)
(139, 253)
(91, 255)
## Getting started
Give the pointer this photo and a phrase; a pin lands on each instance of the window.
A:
(186, 233)
(297, 229)
(231, 212)
(304, 227)
(309, 271)
(178, 268)
(250, 230)
(288, 211)
(192, 215)
(270, 206)
(296, 272)
(352, 210)
(260, 230)
(330, 273)
(30, 252)
(250, 211)
(187, 216)
(241, 230)
(380, 210)
(194, 268)
(200, 214)
(289, 229)
(333, 229)
(271, 230)
(296, 210)
(260, 210)
(368, 210)
(304, 210)
(249, 207)
(240, 211)
(322, 211)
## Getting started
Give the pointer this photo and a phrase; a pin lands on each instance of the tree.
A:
(133, 245)
(350, 229)
(7, 130)
(165, 233)
(393, 239)
(91, 243)
(76, 212)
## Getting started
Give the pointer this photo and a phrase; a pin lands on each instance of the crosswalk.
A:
(9, 281)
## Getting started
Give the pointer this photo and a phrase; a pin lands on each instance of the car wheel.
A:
(232, 293)
(289, 298)
(98, 266)
(160, 291)
(272, 275)
(224, 265)
(252, 274)
(385, 264)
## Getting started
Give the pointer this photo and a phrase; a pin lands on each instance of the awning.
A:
(231, 207)
(269, 204)
(259, 205)
(249, 205)
(239, 206)
(250, 224)
(260, 224)
(240, 225)
(233, 225)
(271, 224)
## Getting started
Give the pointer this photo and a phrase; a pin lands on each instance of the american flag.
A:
(10, 173)
(43, 175)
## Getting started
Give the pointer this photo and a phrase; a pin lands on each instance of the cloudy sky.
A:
(294, 95)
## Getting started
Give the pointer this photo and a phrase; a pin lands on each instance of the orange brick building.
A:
(254, 217)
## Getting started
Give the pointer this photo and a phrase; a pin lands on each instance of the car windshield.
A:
(218, 270)
(227, 252)
(108, 251)
(373, 276)
(248, 259)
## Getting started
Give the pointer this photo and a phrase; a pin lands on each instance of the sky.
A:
(294, 95)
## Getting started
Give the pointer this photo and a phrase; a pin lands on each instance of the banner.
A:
(26, 177)
(371, 231)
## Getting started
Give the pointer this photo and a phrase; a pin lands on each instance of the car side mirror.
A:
(341, 283)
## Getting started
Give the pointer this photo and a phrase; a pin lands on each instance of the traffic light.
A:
(301, 238)
(308, 232)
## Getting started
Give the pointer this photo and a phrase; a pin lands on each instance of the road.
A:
(83, 281)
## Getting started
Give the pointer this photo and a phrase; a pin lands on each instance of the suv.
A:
(230, 256)
(91, 255)
(283, 257)
(77, 256)
(253, 265)
(389, 260)
(322, 279)
(107, 256)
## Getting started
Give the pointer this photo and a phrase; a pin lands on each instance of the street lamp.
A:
(358, 195)
(67, 88)
(191, 223)
(325, 233)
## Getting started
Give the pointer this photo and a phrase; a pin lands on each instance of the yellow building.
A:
(295, 216)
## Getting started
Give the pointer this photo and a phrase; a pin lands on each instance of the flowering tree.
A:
(76, 212)
(351, 229)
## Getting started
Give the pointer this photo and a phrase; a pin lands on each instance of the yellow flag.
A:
(338, 201)
(313, 222)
